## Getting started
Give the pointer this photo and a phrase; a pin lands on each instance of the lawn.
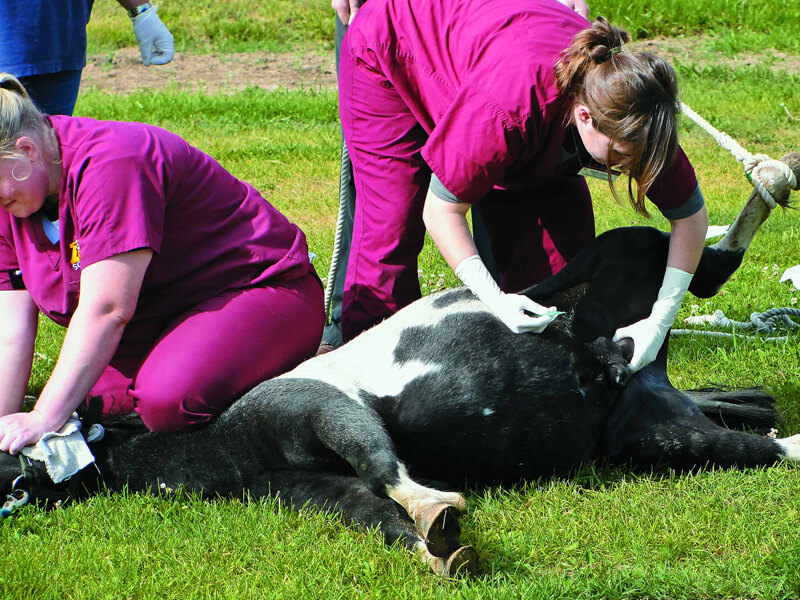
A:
(602, 533)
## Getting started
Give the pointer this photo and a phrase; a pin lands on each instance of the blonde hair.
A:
(633, 98)
(20, 117)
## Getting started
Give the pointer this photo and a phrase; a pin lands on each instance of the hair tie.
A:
(599, 56)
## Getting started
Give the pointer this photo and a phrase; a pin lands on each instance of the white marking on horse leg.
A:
(791, 447)
(415, 498)
(744, 228)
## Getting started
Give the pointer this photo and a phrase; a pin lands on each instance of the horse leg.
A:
(653, 424)
(349, 496)
(351, 429)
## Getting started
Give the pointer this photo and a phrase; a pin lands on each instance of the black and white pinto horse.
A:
(444, 391)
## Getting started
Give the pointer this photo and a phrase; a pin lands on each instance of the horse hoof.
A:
(463, 562)
(440, 530)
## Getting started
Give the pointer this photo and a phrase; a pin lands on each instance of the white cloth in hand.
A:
(155, 41)
(519, 313)
(648, 334)
(64, 452)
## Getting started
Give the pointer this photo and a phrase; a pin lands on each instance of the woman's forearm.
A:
(686, 241)
(88, 347)
(109, 292)
(17, 338)
(446, 222)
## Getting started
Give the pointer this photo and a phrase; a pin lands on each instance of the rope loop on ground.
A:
(754, 164)
(763, 324)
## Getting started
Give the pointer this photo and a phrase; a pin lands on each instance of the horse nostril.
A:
(617, 375)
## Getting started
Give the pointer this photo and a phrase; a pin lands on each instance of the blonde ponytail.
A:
(19, 116)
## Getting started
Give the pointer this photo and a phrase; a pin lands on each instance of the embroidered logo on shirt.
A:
(75, 261)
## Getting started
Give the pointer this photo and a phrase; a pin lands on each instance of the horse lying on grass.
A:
(444, 391)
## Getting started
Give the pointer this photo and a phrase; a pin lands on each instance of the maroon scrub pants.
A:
(195, 366)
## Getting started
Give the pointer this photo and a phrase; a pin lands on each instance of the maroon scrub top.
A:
(126, 186)
(478, 77)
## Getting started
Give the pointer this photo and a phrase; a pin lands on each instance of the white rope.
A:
(724, 334)
(763, 324)
(753, 164)
(333, 269)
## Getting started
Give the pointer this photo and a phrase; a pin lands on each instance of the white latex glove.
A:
(155, 41)
(519, 313)
(648, 334)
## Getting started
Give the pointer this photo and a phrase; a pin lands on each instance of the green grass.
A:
(748, 22)
(227, 26)
(602, 533)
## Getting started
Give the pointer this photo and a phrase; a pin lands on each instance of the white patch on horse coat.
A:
(362, 366)
(791, 447)
(487, 412)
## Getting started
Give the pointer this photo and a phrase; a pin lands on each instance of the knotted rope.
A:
(762, 324)
(754, 164)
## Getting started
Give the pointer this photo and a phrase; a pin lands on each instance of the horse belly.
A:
(450, 432)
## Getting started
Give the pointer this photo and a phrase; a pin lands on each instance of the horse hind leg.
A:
(349, 496)
(435, 513)
(356, 433)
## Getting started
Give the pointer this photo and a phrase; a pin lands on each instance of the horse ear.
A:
(626, 346)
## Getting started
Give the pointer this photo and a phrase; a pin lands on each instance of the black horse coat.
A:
(444, 391)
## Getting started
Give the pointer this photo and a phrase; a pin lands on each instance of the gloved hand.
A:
(648, 334)
(155, 41)
(511, 309)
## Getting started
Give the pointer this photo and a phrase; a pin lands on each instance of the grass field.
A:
(602, 533)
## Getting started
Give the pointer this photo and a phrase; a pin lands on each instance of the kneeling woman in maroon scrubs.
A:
(501, 106)
(181, 287)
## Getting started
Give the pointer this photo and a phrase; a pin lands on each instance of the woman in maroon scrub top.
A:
(501, 106)
(181, 287)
